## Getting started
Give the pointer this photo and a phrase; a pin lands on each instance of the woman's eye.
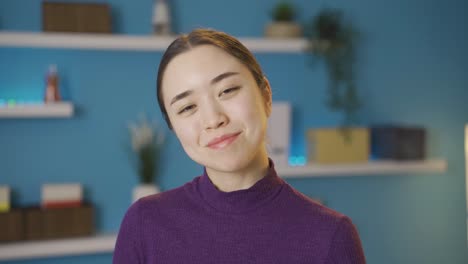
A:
(186, 109)
(229, 90)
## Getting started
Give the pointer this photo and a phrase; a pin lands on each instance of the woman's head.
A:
(213, 94)
(215, 38)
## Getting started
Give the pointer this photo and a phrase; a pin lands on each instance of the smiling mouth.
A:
(223, 141)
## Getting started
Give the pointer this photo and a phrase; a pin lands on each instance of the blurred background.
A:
(412, 67)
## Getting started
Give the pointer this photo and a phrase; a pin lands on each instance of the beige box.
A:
(336, 146)
(56, 192)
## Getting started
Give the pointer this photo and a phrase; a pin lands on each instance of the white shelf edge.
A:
(130, 42)
(275, 45)
(370, 168)
(60, 109)
(59, 247)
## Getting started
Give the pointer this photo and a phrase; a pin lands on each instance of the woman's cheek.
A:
(183, 132)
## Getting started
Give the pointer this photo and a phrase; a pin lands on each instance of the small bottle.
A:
(161, 18)
(52, 93)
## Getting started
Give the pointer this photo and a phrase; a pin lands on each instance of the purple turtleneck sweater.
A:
(268, 223)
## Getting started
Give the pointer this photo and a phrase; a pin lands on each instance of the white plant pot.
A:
(143, 190)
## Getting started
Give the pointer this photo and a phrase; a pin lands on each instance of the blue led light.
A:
(11, 102)
(301, 160)
(297, 161)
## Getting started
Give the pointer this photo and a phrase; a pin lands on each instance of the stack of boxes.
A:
(61, 214)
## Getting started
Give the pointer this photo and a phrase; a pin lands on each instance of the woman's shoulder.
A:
(310, 208)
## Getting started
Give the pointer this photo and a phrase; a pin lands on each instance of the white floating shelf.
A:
(49, 110)
(370, 168)
(128, 42)
(57, 248)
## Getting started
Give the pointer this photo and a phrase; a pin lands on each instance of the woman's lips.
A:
(223, 141)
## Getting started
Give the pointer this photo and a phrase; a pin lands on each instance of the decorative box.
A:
(398, 143)
(333, 146)
(44, 223)
(63, 195)
(11, 226)
(4, 198)
(76, 17)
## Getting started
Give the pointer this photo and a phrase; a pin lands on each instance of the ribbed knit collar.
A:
(242, 200)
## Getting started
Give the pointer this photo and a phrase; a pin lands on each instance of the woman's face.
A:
(216, 108)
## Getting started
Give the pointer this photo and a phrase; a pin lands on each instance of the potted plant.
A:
(333, 40)
(146, 143)
(283, 24)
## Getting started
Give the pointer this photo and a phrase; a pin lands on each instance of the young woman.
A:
(214, 96)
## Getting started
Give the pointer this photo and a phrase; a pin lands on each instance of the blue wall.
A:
(412, 70)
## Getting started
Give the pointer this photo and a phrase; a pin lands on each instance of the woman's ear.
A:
(267, 97)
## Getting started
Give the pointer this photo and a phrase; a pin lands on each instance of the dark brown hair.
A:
(200, 37)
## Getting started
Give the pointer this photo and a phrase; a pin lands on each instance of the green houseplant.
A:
(333, 41)
(283, 11)
(283, 24)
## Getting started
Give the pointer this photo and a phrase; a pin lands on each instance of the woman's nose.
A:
(213, 116)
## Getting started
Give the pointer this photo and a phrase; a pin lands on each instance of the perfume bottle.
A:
(52, 93)
(161, 18)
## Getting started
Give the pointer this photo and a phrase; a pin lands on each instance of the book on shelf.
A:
(278, 132)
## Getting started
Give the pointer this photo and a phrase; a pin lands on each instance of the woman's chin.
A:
(235, 163)
(226, 165)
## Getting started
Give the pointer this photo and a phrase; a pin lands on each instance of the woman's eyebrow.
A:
(181, 96)
(222, 76)
(214, 81)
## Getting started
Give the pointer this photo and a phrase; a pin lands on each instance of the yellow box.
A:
(4, 198)
(335, 146)
(4, 207)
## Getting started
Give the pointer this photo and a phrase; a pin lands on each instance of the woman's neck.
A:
(241, 179)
